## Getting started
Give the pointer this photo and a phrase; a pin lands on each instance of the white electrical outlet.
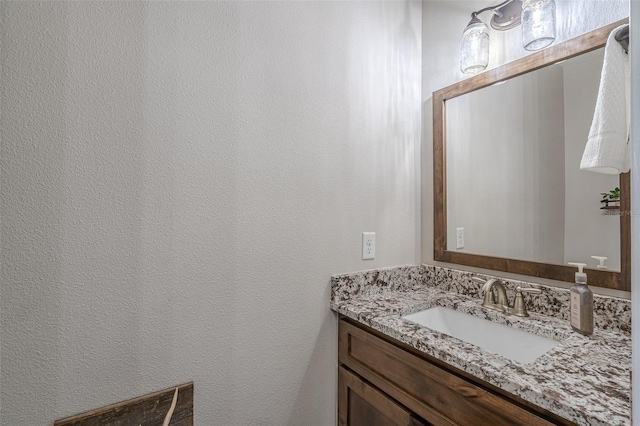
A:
(459, 238)
(368, 245)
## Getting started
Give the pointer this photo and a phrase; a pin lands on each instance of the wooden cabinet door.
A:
(360, 404)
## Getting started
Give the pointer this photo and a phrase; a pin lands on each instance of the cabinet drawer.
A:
(435, 394)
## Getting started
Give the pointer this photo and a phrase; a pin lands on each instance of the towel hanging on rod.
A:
(622, 37)
(607, 147)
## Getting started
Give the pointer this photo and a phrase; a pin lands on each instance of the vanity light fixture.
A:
(538, 31)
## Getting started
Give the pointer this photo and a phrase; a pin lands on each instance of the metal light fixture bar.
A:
(506, 15)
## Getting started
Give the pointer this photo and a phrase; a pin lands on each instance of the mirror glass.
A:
(514, 184)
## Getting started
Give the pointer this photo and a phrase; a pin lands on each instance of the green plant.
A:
(612, 195)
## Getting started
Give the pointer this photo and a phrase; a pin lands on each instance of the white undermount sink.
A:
(517, 345)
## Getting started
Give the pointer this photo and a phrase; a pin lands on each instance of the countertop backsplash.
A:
(610, 313)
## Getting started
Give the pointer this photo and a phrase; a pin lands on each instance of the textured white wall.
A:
(442, 25)
(179, 180)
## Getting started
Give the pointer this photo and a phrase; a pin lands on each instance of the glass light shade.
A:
(538, 23)
(474, 51)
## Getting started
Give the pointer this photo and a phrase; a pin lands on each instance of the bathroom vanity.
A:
(516, 192)
(393, 371)
(379, 377)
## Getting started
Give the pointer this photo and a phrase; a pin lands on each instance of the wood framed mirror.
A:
(527, 239)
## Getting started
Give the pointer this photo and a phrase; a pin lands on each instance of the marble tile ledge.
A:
(583, 379)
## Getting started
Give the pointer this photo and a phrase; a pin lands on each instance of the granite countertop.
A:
(586, 380)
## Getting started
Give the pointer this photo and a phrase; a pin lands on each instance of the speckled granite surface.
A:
(583, 379)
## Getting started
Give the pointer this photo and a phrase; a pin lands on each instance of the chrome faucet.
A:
(502, 303)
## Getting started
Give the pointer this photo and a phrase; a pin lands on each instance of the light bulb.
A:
(474, 51)
(538, 23)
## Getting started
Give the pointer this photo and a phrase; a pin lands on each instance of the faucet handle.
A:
(519, 308)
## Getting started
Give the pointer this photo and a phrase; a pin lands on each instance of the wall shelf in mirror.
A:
(531, 227)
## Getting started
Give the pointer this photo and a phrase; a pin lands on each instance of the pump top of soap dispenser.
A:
(581, 277)
(600, 259)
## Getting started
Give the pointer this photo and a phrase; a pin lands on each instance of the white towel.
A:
(607, 149)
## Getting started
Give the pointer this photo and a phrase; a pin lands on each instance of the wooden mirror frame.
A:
(559, 52)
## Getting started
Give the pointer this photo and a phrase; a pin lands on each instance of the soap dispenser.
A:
(581, 303)
(601, 260)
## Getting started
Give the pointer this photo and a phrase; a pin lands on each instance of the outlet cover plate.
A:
(368, 245)
(459, 238)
